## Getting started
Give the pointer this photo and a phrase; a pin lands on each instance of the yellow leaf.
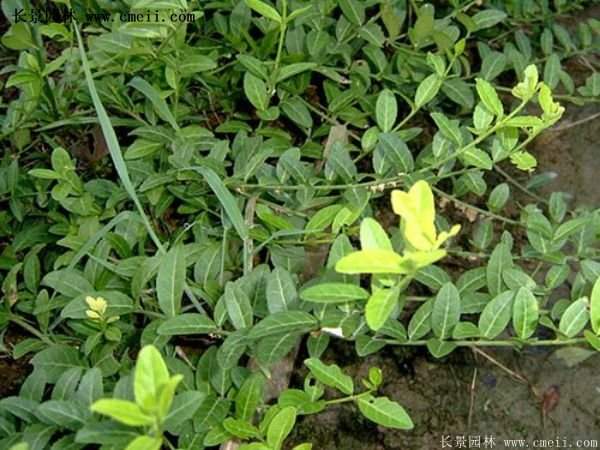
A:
(445, 235)
(372, 261)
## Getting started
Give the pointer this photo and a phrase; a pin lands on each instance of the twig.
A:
(475, 208)
(574, 124)
(519, 186)
(512, 373)
(472, 400)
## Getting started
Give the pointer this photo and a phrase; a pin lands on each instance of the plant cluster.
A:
(186, 204)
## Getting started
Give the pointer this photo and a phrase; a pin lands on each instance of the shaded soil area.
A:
(572, 153)
(467, 395)
(12, 372)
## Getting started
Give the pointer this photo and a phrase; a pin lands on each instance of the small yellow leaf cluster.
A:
(97, 309)
(417, 210)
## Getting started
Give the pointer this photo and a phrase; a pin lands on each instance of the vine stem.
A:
(494, 343)
(20, 322)
(350, 398)
(282, 30)
(518, 185)
(475, 208)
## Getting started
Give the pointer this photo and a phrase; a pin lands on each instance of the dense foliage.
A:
(206, 197)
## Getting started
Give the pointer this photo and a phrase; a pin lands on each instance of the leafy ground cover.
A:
(198, 214)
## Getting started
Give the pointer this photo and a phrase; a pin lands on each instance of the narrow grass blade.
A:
(113, 144)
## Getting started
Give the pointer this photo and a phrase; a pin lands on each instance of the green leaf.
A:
(459, 92)
(191, 64)
(254, 446)
(493, 64)
(477, 158)
(380, 306)
(273, 349)
(386, 110)
(373, 236)
(264, 10)
(353, 10)
(427, 90)
(371, 261)
(500, 260)
(238, 306)
(281, 290)
(366, 345)
(254, 65)
(122, 411)
(298, 12)
(232, 349)
(392, 17)
(569, 227)
(145, 443)
(333, 293)
(305, 446)
(283, 322)
(524, 122)
(170, 281)
(439, 348)
(62, 413)
(297, 111)
(526, 89)
(449, 128)
(488, 18)
(489, 97)
(45, 174)
(240, 428)
(250, 396)
(575, 318)
(386, 412)
(150, 374)
(18, 36)
(424, 25)
(183, 408)
(395, 152)
(595, 307)
(445, 313)
(525, 313)
(592, 339)
(187, 324)
(483, 234)
(55, 360)
(523, 160)
(142, 148)
(155, 97)
(552, 70)
(465, 330)
(280, 427)
(330, 375)
(372, 33)
(290, 70)
(166, 394)
(256, 91)
(227, 201)
(339, 162)
(433, 277)
(420, 322)
(498, 197)
(69, 282)
(90, 387)
(496, 315)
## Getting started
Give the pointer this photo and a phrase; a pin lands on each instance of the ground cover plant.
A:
(189, 201)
